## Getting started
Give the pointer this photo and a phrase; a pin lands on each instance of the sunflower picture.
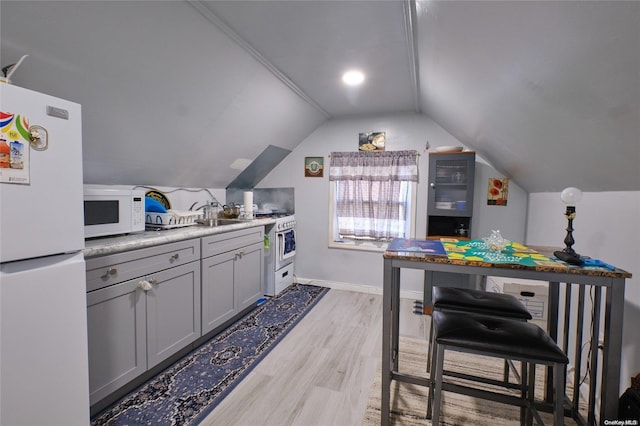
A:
(498, 192)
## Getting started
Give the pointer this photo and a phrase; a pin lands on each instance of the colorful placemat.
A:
(477, 251)
(428, 247)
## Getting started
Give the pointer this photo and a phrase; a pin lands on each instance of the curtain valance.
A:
(374, 166)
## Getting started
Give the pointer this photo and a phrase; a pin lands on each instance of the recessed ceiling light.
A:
(353, 77)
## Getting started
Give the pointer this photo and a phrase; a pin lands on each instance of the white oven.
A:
(279, 258)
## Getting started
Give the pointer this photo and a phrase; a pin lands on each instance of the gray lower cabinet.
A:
(232, 275)
(116, 321)
(173, 311)
(145, 305)
(249, 275)
(137, 323)
(218, 291)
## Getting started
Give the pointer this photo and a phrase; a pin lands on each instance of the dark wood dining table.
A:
(559, 276)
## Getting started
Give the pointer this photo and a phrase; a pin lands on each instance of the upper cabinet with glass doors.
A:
(450, 200)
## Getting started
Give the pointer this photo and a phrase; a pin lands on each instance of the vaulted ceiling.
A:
(548, 92)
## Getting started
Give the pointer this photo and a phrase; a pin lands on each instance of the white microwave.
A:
(112, 211)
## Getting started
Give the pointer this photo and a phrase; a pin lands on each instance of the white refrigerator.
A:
(43, 317)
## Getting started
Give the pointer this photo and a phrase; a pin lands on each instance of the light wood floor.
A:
(321, 372)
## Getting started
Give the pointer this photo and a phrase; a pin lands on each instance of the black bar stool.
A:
(499, 338)
(450, 299)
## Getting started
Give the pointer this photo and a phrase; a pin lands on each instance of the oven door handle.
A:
(280, 237)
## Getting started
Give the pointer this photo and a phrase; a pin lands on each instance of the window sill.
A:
(364, 246)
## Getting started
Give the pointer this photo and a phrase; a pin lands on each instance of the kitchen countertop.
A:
(121, 243)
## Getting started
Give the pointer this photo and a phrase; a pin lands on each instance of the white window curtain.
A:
(372, 191)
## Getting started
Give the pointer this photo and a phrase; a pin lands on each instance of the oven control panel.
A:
(285, 223)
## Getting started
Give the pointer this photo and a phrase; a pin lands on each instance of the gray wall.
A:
(167, 98)
(510, 219)
(350, 268)
(606, 229)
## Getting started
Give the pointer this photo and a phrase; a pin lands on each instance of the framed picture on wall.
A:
(498, 192)
(313, 166)
(371, 141)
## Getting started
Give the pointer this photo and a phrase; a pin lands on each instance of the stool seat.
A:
(497, 337)
(480, 302)
(500, 336)
(453, 299)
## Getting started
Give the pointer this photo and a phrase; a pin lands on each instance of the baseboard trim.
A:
(359, 288)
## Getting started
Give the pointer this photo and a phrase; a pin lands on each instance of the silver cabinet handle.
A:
(174, 257)
(239, 255)
(144, 285)
(432, 184)
(111, 272)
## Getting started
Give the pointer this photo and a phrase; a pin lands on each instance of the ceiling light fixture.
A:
(353, 77)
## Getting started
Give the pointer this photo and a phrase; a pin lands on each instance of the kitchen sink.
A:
(210, 223)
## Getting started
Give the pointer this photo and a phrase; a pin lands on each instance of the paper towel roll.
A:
(248, 204)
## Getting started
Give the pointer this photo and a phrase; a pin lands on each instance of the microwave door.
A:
(101, 212)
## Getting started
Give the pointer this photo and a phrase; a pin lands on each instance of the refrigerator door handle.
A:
(38, 138)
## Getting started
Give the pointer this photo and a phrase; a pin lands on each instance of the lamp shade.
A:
(570, 196)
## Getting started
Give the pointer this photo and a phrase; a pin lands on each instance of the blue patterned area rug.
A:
(186, 392)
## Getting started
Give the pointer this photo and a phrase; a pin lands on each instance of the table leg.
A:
(387, 313)
(567, 318)
(578, 349)
(395, 318)
(593, 362)
(611, 357)
(427, 291)
(552, 329)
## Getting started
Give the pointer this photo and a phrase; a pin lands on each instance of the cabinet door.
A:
(218, 294)
(173, 311)
(116, 334)
(249, 275)
(451, 183)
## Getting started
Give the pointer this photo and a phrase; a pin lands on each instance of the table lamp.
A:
(570, 196)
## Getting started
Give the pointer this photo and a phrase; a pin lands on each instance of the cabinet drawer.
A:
(108, 270)
(222, 243)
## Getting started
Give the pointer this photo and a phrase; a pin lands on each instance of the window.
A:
(372, 198)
